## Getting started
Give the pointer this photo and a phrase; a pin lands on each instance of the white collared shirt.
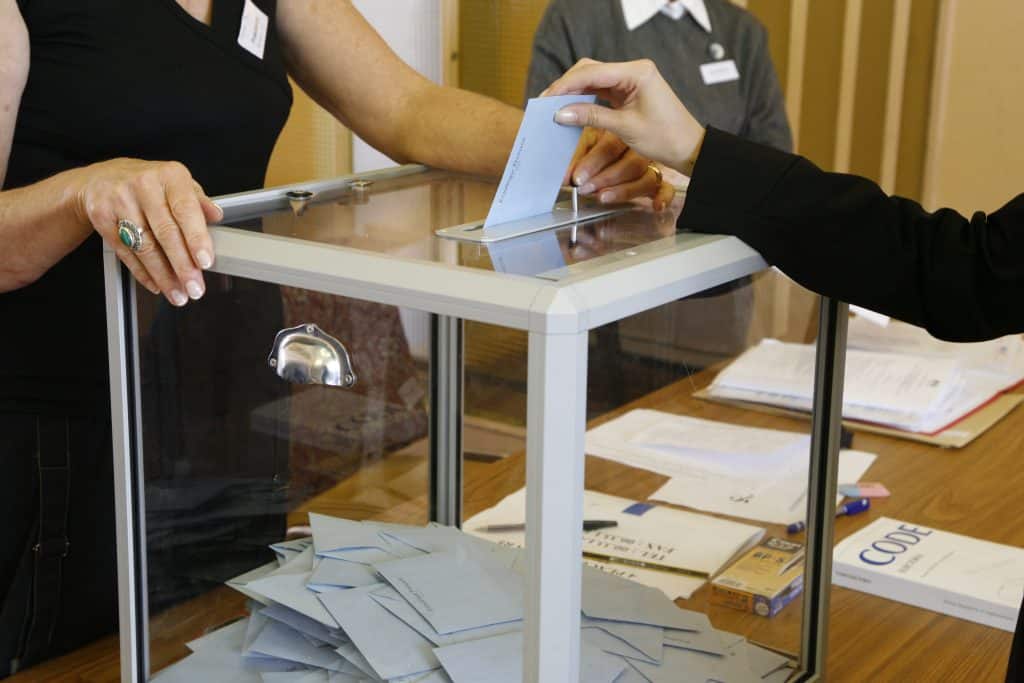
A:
(639, 12)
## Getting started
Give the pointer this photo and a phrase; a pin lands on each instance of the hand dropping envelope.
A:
(539, 160)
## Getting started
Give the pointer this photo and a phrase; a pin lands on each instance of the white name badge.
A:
(253, 34)
(719, 72)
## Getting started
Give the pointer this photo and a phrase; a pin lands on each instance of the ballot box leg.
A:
(830, 363)
(127, 454)
(556, 416)
(446, 363)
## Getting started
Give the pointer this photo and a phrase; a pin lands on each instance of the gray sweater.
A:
(751, 107)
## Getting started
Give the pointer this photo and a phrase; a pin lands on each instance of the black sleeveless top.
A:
(124, 78)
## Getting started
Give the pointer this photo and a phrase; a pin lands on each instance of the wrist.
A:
(687, 155)
(72, 196)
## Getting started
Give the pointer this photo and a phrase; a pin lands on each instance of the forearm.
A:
(458, 130)
(39, 225)
(367, 87)
(841, 236)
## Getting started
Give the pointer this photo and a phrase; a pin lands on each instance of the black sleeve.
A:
(841, 236)
(553, 50)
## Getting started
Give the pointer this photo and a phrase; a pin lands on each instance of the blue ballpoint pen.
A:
(851, 508)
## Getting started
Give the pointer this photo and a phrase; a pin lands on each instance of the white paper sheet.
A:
(618, 440)
(779, 501)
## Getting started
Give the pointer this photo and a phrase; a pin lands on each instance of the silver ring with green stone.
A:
(130, 234)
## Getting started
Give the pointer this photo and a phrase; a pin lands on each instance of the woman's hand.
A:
(647, 115)
(604, 165)
(171, 209)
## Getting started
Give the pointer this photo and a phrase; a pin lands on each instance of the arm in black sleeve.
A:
(841, 236)
(553, 50)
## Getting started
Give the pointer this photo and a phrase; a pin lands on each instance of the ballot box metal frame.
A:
(557, 314)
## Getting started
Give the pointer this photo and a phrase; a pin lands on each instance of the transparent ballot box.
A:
(296, 452)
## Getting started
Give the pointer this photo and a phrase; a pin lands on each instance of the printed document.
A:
(645, 533)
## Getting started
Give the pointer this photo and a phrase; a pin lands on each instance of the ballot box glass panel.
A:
(725, 477)
(373, 216)
(235, 456)
(350, 362)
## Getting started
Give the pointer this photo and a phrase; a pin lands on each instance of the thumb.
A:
(592, 115)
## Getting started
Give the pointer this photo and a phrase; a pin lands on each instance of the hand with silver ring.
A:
(130, 234)
(154, 215)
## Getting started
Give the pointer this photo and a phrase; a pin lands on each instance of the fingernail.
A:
(204, 259)
(565, 116)
(195, 289)
(178, 298)
(581, 177)
(587, 189)
(607, 197)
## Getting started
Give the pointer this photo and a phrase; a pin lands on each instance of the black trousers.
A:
(58, 579)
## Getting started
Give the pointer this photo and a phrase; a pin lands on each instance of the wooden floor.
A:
(973, 491)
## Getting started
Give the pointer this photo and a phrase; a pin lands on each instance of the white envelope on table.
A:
(456, 592)
(391, 647)
(499, 659)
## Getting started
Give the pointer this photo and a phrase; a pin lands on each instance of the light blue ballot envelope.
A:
(527, 255)
(539, 160)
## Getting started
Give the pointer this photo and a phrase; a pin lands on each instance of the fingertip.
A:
(567, 117)
(204, 259)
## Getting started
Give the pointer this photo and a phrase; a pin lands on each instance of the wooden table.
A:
(973, 491)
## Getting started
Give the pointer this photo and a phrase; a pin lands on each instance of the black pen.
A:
(588, 525)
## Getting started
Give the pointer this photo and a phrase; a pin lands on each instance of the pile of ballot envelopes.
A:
(368, 601)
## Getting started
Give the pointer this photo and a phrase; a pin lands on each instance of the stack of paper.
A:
(1002, 359)
(364, 601)
(696, 545)
(758, 474)
(914, 393)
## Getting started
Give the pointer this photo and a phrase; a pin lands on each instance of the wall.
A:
(858, 77)
(854, 72)
(976, 149)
